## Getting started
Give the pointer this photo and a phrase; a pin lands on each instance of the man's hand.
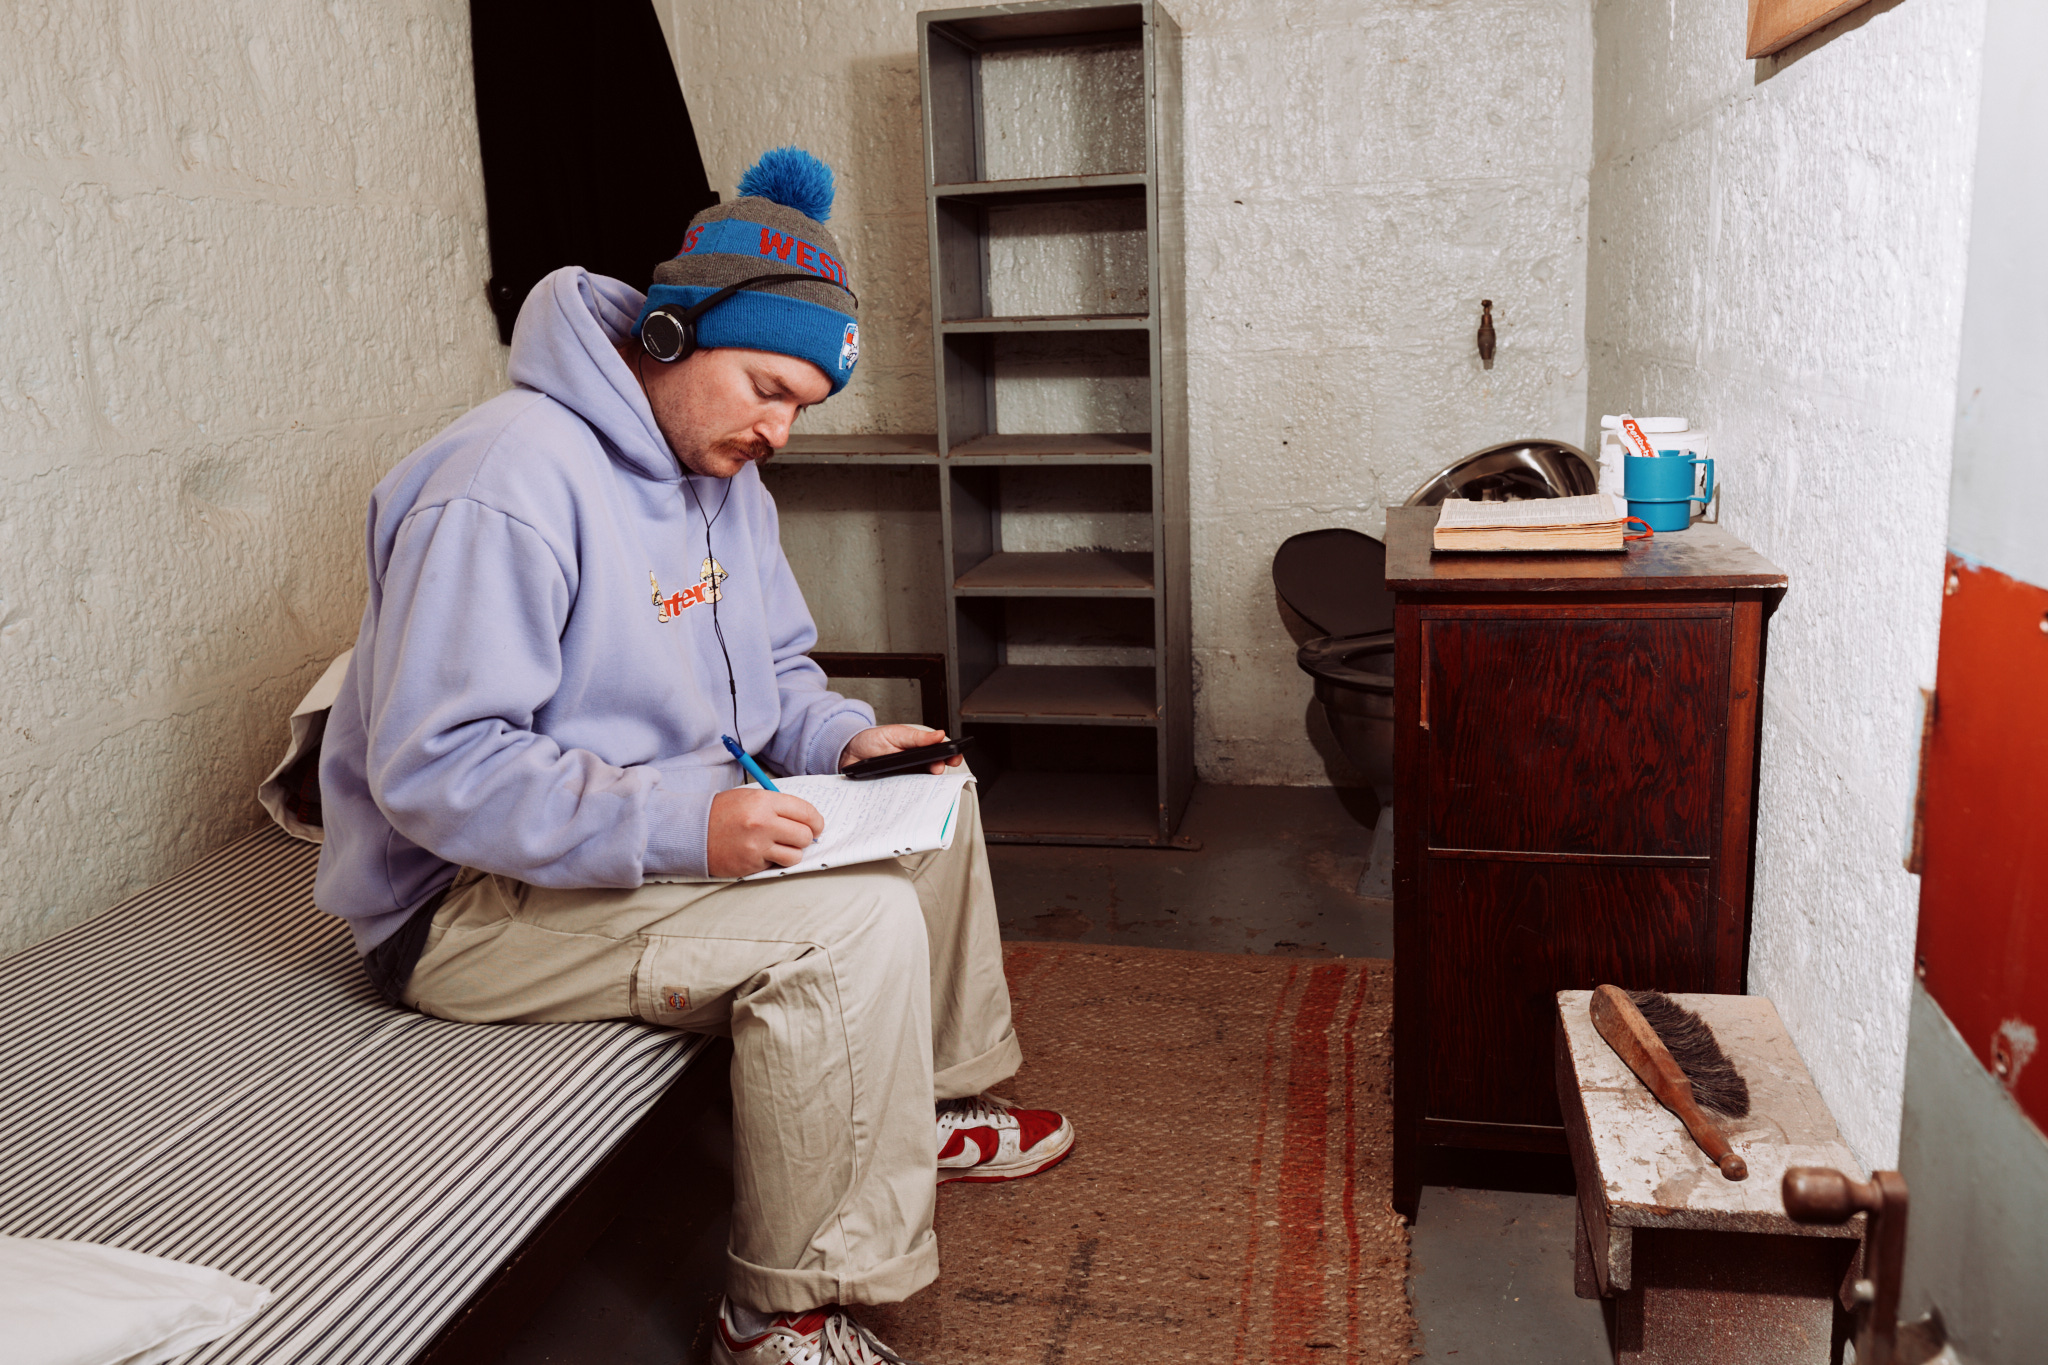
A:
(877, 740)
(753, 830)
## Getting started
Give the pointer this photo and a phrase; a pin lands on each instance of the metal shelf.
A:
(1069, 695)
(1000, 27)
(999, 448)
(1043, 190)
(1057, 322)
(1071, 808)
(1098, 447)
(895, 450)
(1059, 573)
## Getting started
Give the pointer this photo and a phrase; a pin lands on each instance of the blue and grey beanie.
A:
(776, 226)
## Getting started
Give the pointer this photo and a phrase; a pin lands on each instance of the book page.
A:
(886, 817)
(1587, 510)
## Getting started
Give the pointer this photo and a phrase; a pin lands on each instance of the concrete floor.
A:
(1277, 873)
(1490, 1274)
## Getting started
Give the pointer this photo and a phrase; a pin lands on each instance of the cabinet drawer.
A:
(1575, 733)
(1505, 937)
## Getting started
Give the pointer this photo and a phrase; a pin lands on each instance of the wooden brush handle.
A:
(1631, 1036)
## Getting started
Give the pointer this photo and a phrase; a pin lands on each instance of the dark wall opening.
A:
(589, 156)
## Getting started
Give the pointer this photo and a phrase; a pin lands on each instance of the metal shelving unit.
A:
(1070, 665)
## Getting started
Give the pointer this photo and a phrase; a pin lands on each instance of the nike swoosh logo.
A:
(986, 1141)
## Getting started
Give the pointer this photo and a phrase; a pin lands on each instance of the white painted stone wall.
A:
(243, 256)
(1361, 173)
(1778, 254)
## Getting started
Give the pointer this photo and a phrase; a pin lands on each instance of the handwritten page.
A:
(865, 822)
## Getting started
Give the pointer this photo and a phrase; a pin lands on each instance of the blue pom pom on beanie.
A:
(776, 226)
(793, 178)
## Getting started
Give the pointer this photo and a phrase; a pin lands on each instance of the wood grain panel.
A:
(1520, 932)
(1576, 734)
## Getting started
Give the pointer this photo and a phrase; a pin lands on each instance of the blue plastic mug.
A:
(1660, 490)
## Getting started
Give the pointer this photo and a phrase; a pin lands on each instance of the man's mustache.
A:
(757, 450)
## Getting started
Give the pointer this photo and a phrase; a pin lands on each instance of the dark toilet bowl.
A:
(1336, 581)
(1355, 683)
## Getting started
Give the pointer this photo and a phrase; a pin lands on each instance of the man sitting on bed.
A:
(575, 590)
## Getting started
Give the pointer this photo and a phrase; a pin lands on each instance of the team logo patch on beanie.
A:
(849, 347)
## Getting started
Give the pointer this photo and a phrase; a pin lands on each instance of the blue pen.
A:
(732, 747)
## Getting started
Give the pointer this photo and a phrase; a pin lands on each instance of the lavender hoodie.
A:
(519, 700)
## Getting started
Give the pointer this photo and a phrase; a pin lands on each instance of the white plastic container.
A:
(1613, 445)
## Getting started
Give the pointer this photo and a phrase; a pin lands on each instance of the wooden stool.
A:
(1701, 1268)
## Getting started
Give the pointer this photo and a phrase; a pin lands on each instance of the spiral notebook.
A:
(866, 822)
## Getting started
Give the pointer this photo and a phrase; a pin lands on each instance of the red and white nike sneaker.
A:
(823, 1336)
(986, 1138)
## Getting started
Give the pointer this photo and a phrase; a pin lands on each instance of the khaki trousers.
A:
(854, 998)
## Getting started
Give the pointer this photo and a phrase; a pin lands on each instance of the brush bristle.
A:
(1716, 1084)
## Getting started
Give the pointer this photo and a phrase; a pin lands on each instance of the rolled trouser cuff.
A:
(977, 1074)
(799, 1291)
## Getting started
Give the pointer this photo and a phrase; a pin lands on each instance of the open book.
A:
(1593, 522)
(868, 821)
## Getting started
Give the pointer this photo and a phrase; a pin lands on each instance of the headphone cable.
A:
(712, 568)
(713, 574)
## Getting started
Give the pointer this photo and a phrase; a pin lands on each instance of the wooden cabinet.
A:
(1575, 771)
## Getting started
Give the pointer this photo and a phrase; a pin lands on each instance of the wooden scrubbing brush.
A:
(1674, 1053)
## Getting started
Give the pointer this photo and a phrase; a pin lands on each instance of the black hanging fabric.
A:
(589, 157)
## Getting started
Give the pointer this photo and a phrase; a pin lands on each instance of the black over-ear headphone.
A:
(670, 333)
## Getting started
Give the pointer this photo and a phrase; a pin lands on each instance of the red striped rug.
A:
(1227, 1199)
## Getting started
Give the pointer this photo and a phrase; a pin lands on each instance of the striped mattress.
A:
(205, 1073)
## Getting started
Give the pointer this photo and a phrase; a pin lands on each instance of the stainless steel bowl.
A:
(1511, 471)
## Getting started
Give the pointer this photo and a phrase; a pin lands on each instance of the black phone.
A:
(907, 760)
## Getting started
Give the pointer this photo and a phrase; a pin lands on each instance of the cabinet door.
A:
(1572, 769)
(1570, 734)
(1505, 937)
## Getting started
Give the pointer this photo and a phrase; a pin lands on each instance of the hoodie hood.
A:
(565, 346)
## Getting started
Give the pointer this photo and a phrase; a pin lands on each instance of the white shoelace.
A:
(846, 1342)
(965, 1111)
(842, 1341)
